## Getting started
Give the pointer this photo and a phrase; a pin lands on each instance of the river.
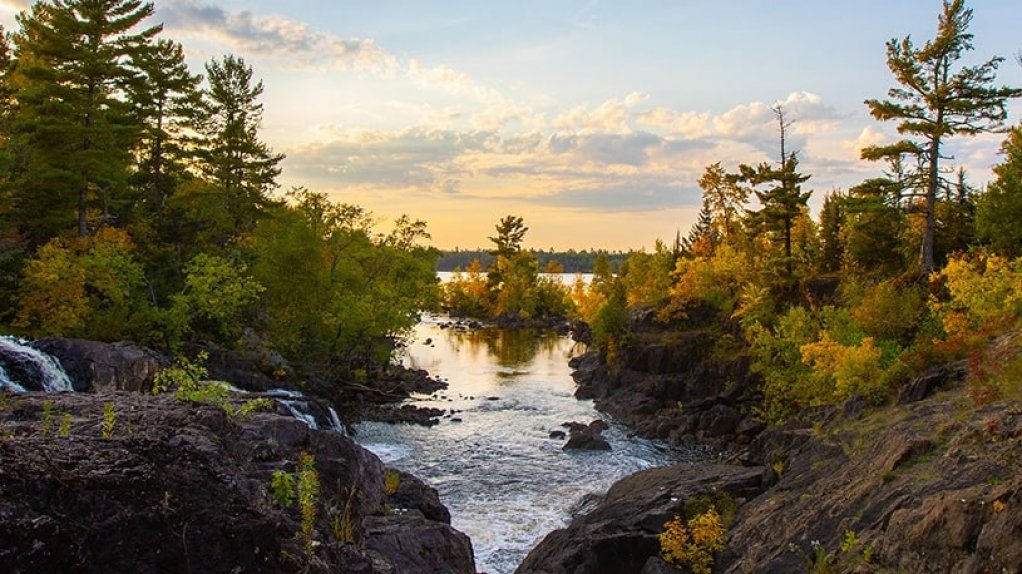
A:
(505, 481)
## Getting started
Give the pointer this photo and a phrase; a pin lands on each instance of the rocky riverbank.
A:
(931, 486)
(932, 483)
(113, 479)
(676, 382)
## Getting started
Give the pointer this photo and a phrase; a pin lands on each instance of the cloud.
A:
(15, 5)
(612, 116)
(275, 36)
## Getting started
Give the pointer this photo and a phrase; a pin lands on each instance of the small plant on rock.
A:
(46, 422)
(109, 420)
(65, 425)
(391, 481)
(282, 488)
(342, 525)
(308, 492)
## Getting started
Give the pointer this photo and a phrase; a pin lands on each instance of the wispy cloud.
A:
(275, 36)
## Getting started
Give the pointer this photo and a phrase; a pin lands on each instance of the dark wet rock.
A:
(415, 544)
(672, 382)
(620, 534)
(413, 494)
(557, 435)
(656, 565)
(94, 366)
(180, 487)
(393, 414)
(586, 437)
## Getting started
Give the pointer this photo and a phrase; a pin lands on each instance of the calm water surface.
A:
(505, 481)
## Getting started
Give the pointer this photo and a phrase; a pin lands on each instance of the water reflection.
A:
(507, 348)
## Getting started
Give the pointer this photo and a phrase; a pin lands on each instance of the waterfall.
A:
(335, 423)
(296, 411)
(296, 404)
(7, 383)
(30, 367)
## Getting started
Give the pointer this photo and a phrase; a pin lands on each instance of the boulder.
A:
(586, 437)
(620, 535)
(94, 366)
(412, 543)
(413, 494)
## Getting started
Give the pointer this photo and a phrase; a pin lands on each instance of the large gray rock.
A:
(94, 366)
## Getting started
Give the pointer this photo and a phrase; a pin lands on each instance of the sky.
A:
(591, 119)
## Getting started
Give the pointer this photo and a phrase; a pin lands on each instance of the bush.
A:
(985, 292)
(840, 371)
(693, 543)
(891, 311)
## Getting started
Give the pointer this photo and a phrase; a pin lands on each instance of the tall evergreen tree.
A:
(243, 168)
(935, 102)
(999, 212)
(782, 199)
(510, 233)
(703, 237)
(874, 228)
(73, 122)
(166, 100)
(833, 216)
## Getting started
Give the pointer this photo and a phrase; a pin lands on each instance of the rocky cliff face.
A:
(675, 383)
(131, 483)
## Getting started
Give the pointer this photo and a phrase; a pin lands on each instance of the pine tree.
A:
(243, 168)
(783, 199)
(833, 216)
(703, 237)
(73, 122)
(166, 100)
(875, 224)
(936, 102)
(999, 212)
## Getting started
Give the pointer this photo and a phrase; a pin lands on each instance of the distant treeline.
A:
(572, 261)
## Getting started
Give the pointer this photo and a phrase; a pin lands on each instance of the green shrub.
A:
(282, 488)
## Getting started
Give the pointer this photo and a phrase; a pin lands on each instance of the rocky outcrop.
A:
(586, 437)
(932, 487)
(161, 485)
(620, 534)
(675, 382)
(94, 366)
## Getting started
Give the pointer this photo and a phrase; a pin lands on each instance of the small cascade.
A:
(298, 405)
(335, 423)
(22, 367)
(7, 383)
(295, 408)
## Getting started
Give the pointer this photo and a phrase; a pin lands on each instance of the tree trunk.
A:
(927, 261)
